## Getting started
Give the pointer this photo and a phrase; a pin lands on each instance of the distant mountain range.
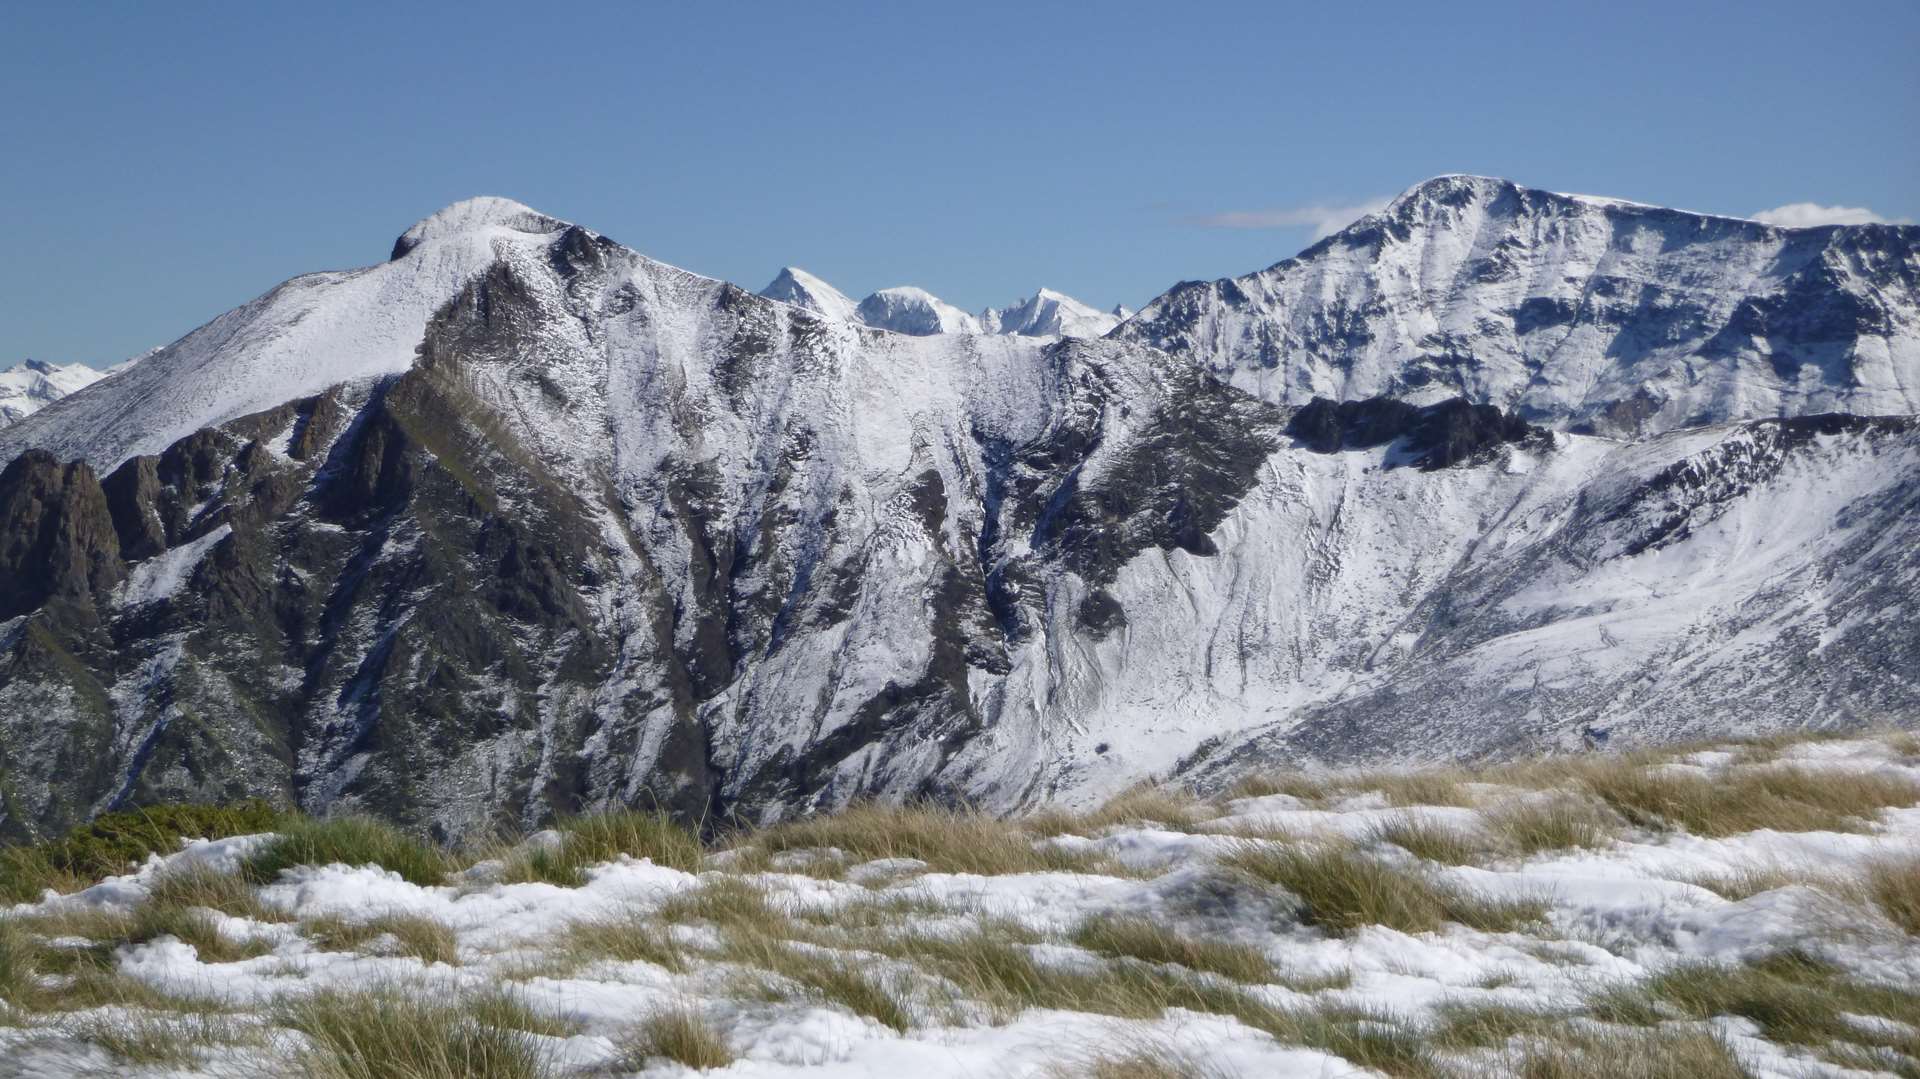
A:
(918, 312)
(520, 521)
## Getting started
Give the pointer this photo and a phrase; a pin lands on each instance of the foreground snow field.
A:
(1744, 909)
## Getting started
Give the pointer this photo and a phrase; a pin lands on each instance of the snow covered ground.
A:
(1738, 908)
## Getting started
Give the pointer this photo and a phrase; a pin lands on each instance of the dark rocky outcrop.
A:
(1429, 437)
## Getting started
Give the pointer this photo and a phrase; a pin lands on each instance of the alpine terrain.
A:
(31, 385)
(520, 522)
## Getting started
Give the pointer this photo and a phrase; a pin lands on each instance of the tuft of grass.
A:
(23, 957)
(194, 926)
(119, 842)
(1895, 889)
(1530, 826)
(628, 937)
(1342, 890)
(1139, 805)
(1628, 1054)
(394, 1031)
(820, 972)
(1301, 785)
(1421, 787)
(1141, 1058)
(601, 837)
(1155, 942)
(354, 841)
(1749, 799)
(1795, 998)
(1904, 743)
(151, 1040)
(206, 887)
(993, 964)
(723, 902)
(424, 938)
(678, 1034)
(950, 841)
(1459, 1026)
(1747, 883)
(1429, 841)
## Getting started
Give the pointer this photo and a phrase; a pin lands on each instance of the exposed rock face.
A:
(1576, 313)
(612, 532)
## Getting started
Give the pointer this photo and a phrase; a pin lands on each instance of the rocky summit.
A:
(521, 522)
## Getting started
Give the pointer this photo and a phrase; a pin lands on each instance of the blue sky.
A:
(162, 163)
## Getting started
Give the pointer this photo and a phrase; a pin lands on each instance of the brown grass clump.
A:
(1628, 1054)
(680, 1035)
(1795, 998)
(1154, 942)
(1141, 1058)
(1421, 787)
(1747, 883)
(395, 1031)
(820, 973)
(206, 887)
(949, 841)
(1432, 842)
(1529, 826)
(1895, 889)
(424, 938)
(1748, 799)
(601, 837)
(628, 937)
(160, 1040)
(1342, 890)
(1140, 805)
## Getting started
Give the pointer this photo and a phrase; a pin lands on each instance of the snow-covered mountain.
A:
(1577, 312)
(918, 312)
(521, 520)
(31, 385)
(1048, 313)
(798, 287)
(914, 311)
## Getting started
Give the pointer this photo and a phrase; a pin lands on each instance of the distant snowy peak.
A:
(1576, 311)
(918, 312)
(914, 311)
(29, 386)
(801, 289)
(1049, 314)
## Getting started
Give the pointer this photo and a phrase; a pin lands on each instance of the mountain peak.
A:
(474, 215)
(1048, 313)
(798, 287)
(911, 310)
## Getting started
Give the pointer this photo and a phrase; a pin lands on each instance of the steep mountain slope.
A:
(522, 521)
(1576, 312)
(32, 385)
(308, 334)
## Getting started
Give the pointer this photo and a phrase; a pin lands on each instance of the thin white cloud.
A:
(1804, 215)
(1324, 220)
